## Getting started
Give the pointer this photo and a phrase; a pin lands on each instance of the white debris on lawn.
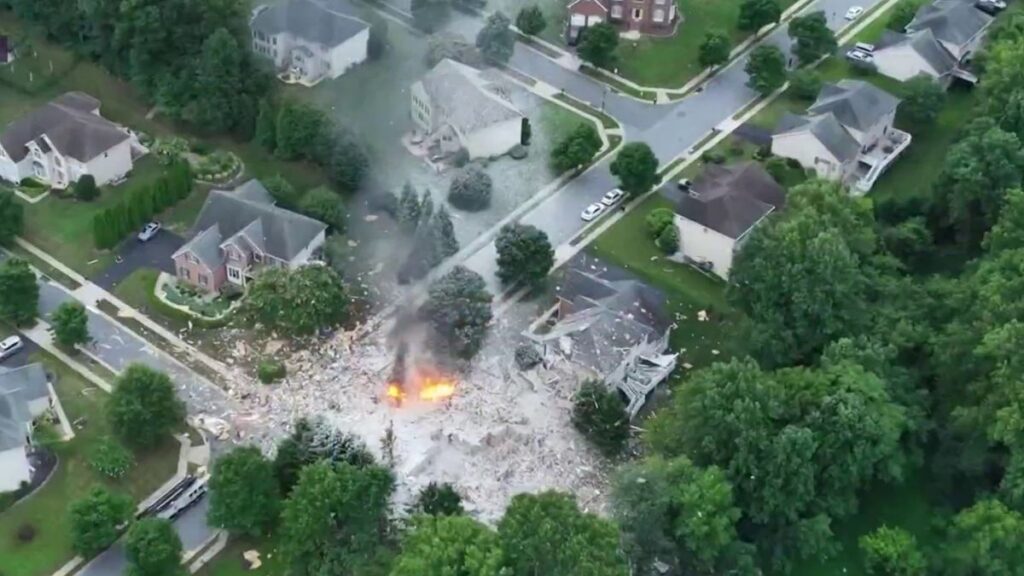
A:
(502, 433)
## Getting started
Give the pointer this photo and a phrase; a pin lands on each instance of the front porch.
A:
(876, 159)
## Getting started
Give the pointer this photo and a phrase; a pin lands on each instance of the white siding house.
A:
(457, 106)
(310, 40)
(25, 394)
(64, 140)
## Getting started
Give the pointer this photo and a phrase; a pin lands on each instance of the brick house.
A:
(654, 17)
(240, 232)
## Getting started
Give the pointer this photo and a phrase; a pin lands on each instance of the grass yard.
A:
(670, 62)
(63, 226)
(688, 291)
(905, 506)
(180, 217)
(230, 562)
(47, 509)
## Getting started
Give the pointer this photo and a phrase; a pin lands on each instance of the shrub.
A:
(668, 240)
(111, 459)
(794, 164)
(270, 370)
(200, 147)
(713, 157)
(470, 190)
(658, 220)
(86, 189)
(26, 533)
(777, 167)
(600, 415)
(806, 84)
(461, 157)
(527, 356)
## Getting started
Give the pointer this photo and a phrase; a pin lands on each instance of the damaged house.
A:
(615, 330)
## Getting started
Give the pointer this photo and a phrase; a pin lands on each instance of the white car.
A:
(612, 197)
(592, 211)
(859, 56)
(854, 12)
(148, 231)
(10, 346)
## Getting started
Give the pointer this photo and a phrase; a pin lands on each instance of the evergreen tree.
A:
(266, 126)
(19, 292)
(408, 207)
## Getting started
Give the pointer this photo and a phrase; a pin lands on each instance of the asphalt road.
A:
(669, 129)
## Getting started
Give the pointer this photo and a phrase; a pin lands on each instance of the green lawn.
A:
(47, 509)
(63, 226)
(687, 290)
(230, 562)
(557, 122)
(182, 216)
(670, 62)
(905, 506)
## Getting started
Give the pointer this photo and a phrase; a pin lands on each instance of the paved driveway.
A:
(134, 255)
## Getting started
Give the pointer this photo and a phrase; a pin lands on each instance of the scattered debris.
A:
(253, 558)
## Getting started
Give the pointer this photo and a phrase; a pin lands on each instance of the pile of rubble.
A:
(505, 431)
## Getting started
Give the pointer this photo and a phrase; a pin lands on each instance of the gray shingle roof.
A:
(205, 246)
(832, 135)
(330, 23)
(68, 121)
(462, 97)
(285, 233)
(854, 103)
(924, 44)
(732, 199)
(952, 21)
(19, 387)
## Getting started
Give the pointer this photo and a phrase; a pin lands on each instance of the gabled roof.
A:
(284, 233)
(70, 124)
(952, 21)
(330, 23)
(255, 191)
(19, 387)
(826, 129)
(599, 3)
(732, 199)
(855, 103)
(924, 43)
(464, 98)
(205, 246)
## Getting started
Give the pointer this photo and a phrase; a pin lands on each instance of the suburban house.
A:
(724, 204)
(239, 232)
(25, 394)
(64, 140)
(939, 42)
(612, 328)
(310, 40)
(654, 17)
(457, 106)
(846, 135)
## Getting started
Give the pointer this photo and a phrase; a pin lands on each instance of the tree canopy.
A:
(766, 68)
(600, 415)
(892, 552)
(470, 189)
(576, 149)
(12, 217)
(530, 20)
(296, 302)
(636, 167)
(311, 441)
(923, 99)
(449, 546)
(153, 549)
(95, 520)
(19, 292)
(458, 308)
(525, 255)
(598, 43)
(813, 37)
(70, 324)
(496, 39)
(756, 14)
(715, 49)
(244, 493)
(143, 407)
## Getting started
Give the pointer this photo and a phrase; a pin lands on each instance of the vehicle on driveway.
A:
(592, 211)
(610, 198)
(854, 12)
(685, 184)
(859, 56)
(991, 7)
(10, 346)
(149, 231)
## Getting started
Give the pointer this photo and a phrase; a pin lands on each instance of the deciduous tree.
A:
(715, 48)
(153, 548)
(525, 255)
(813, 37)
(986, 539)
(143, 408)
(766, 68)
(756, 14)
(530, 20)
(901, 15)
(314, 440)
(459, 309)
(922, 101)
(496, 39)
(323, 204)
(805, 83)
(892, 552)
(70, 324)
(598, 43)
(576, 149)
(429, 14)
(296, 302)
(12, 217)
(470, 189)
(244, 494)
(19, 292)
(636, 167)
(95, 519)
(547, 534)
(449, 546)
(219, 83)
(600, 415)
(266, 126)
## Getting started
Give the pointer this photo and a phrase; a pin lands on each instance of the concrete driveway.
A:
(134, 255)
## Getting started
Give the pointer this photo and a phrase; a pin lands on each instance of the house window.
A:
(616, 11)
(257, 257)
(202, 279)
(659, 15)
(659, 1)
(274, 40)
(637, 13)
(188, 273)
(192, 258)
(235, 274)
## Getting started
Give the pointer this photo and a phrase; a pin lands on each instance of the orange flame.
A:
(394, 393)
(437, 390)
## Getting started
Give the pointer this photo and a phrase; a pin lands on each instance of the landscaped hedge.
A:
(139, 205)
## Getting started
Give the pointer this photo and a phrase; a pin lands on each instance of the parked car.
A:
(148, 231)
(685, 184)
(10, 346)
(592, 211)
(612, 197)
(854, 12)
(858, 56)
(991, 7)
(864, 47)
